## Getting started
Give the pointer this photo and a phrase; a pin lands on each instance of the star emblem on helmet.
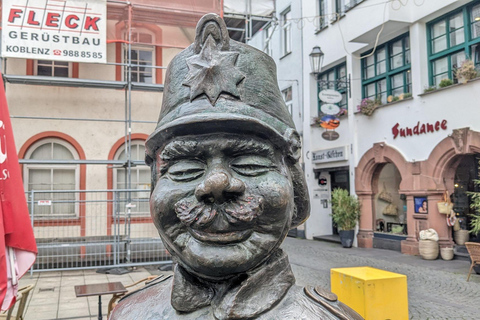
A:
(212, 72)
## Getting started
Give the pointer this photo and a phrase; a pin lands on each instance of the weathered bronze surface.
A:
(227, 187)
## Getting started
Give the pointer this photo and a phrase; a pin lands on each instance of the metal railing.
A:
(87, 229)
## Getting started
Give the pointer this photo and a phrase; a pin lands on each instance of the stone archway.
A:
(366, 185)
(421, 178)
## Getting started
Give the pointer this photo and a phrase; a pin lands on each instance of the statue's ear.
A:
(294, 144)
(301, 198)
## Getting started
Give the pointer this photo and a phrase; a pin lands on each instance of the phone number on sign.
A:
(81, 54)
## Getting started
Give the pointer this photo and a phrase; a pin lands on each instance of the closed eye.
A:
(252, 165)
(186, 170)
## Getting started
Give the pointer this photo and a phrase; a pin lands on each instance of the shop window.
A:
(332, 75)
(140, 180)
(452, 39)
(386, 71)
(391, 207)
(287, 97)
(63, 176)
(286, 23)
(53, 68)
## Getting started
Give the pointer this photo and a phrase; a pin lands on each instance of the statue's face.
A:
(222, 203)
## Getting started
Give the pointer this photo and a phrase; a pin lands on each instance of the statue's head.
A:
(226, 182)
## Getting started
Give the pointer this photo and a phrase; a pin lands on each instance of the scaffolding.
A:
(166, 27)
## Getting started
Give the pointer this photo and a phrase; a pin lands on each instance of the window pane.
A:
(475, 52)
(409, 82)
(456, 22)
(457, 59)
(381, 63)
(382, 90)
(342, 72)
(397, 81)
(440, 66)
(370, 72)
(439, 44)
(370, 91)
(39, 179)
(60, 72)
(475, 18)
(438, 29)
(43, 152)
(381, 67)
(396, 61)
(380, 54)
(63, 179)
(44, 71)
(396, 47)
(61, 152)
(146, 56)
(457, 37)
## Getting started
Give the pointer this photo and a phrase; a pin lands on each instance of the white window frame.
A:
(144, 194)
(268, 40)
(289, 103)
(51, 167)
(286, 31)
(36, 64)
(136, 34)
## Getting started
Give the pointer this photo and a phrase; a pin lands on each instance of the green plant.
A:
(445, 83)
(429, 89)
(368, 106)
(475, 205)
(395, 98)
(407, 95)
(345, 209)
(466, 71)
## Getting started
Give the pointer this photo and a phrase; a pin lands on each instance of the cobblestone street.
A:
(436, 289)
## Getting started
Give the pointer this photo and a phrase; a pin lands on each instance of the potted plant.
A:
(445, 83)
(475, 217)
(368, 106)
(466, 71)
(345, 214)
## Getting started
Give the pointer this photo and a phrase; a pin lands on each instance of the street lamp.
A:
(316, 61)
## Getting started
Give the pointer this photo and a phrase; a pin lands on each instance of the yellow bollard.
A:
(373, 293)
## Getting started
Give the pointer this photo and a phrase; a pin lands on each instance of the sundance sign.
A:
(63, 30)
(420, 128)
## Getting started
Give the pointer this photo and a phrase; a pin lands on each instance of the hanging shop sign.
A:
(418, 129)
(329, 108)
(329, 122)
(330, 155)
(66, 30)
(330, 135)
(330, 96)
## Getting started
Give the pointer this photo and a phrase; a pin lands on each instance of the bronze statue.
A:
(227, 187)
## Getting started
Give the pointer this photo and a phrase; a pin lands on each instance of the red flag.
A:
(18, 248)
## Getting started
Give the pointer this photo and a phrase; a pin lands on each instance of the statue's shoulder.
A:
(153, 298)
(329, 301)
(310, 303)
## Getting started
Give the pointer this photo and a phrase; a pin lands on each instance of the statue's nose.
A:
(219, 186)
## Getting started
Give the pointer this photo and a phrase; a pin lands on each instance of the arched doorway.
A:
(466, 172)
(369, 178)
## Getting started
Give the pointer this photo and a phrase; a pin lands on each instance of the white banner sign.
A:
(62, 30)
(330, 155)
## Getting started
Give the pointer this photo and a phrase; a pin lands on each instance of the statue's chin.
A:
(218, 261)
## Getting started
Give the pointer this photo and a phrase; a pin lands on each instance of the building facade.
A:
(410, 134)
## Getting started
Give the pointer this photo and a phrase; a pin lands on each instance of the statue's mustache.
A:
(243, 209)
